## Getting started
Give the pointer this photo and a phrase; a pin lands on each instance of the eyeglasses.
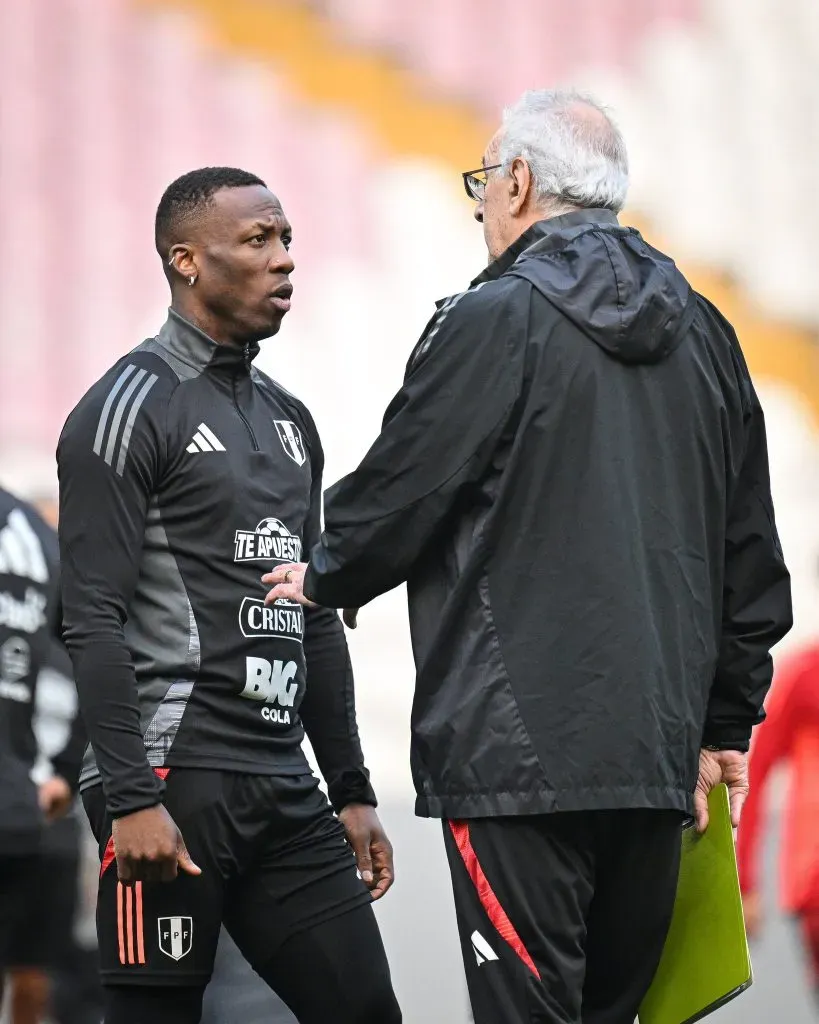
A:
(475, 181)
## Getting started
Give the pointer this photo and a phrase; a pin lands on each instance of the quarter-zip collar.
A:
(186, 342)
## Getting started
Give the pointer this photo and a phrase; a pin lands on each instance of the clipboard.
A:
(706, 961)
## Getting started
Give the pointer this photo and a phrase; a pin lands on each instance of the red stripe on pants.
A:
(139, 924)
(129, 921)
(108, 857)
(120, 929)
(489, 901)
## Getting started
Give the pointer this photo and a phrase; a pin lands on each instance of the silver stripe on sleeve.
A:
(119, 413)
(106, 409)
(443, 313)
(129, 423)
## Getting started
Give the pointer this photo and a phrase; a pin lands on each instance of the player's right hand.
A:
(150, 848)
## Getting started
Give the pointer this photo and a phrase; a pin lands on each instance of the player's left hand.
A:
(373, 851)
(55, 798)
(288, 583)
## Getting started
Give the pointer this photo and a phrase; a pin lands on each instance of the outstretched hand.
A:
(287, 582)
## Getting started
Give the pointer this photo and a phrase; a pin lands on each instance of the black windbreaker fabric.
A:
(573, 481)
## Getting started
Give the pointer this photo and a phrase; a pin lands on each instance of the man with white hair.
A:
(573, 482)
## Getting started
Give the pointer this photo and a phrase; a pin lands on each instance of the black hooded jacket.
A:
(574, 483)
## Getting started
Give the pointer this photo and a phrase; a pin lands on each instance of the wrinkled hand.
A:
(373, 851)
(55, 798)
(716, 766)
(290, 588)
(150, 848)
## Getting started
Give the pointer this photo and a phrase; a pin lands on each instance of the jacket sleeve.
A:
(67, 761)
(107, 473)
(772, 743)
(756, 610)
(438, 437)
(328, 708)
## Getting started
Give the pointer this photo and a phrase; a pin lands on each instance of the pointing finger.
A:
(737, 803)
(384, 883)
(186, 864)
(288, 591)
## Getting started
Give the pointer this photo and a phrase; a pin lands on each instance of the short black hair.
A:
(187, 195)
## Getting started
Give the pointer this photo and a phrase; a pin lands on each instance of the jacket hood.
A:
(630, 299)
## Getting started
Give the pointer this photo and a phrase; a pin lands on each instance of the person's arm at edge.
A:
(756, 615)
(329, 717)
(757, 610)
(328, 708)
(67, 762)
(103, 510)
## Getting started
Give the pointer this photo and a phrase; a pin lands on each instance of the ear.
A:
(181, 259)
(520, 185)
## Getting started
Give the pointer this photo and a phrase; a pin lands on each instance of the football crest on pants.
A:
(175, 936)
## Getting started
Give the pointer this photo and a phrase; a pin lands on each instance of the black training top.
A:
(185, 474)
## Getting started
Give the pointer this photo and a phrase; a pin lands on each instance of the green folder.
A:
(705, 961)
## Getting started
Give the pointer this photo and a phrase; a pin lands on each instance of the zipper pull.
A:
(247, 357)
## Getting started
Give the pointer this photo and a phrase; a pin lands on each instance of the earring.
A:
(192, 280)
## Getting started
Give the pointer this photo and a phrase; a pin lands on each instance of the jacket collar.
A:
(542, 229)
(185, 341)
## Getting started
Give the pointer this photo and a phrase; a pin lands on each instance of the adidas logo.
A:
(481, 948)
(204, 440)
(21, 553)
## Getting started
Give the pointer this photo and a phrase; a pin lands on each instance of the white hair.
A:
(575, 152)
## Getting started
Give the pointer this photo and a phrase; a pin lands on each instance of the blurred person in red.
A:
(789, 735)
